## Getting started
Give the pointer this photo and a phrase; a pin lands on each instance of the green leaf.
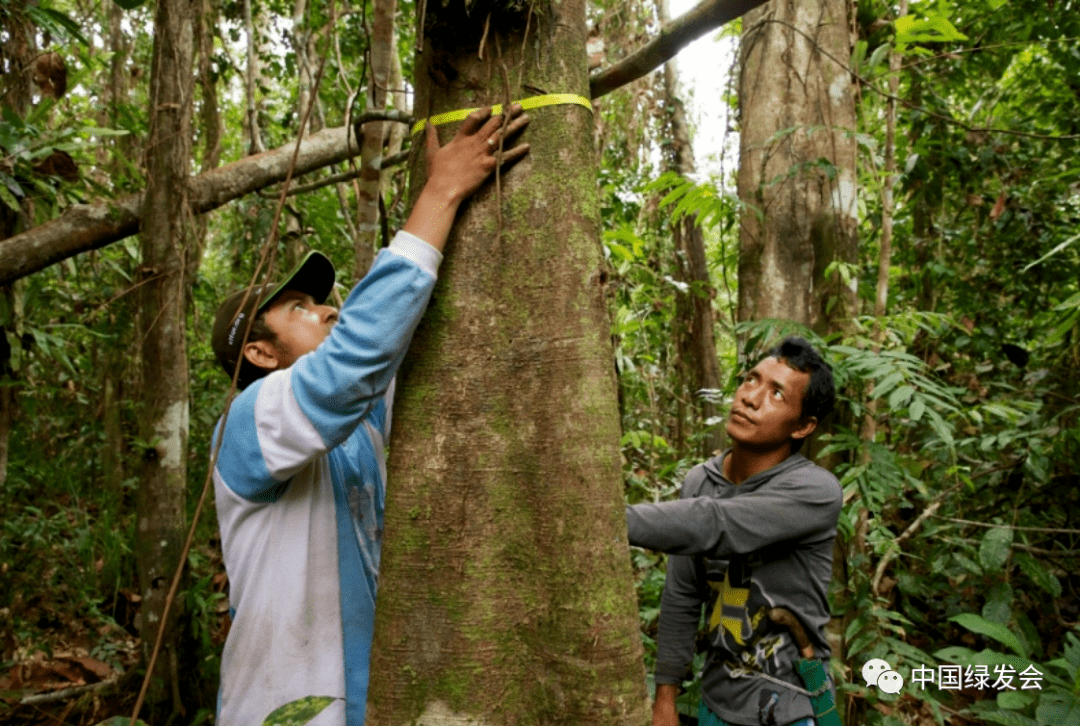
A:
(998, 605)
(1058, 708)
(955, 654)
(617, 250)
(937, 423)
(995, 548)
(9, 199)
(1072, 302)
(1015, 700)
(909, 652)
(55, 21)
(1063, 327)
(994, 631)
(121, 721)
(901, 396)
(887, 383)
(1052, 252)
(918, 408)
(1039, 573)
(934, 29)
(1008, 718)
(298, 712)
(967, 563)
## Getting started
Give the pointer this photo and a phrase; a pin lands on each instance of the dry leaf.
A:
(999, 206)
(50, 74)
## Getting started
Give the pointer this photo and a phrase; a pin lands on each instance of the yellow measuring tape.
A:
(551, 99)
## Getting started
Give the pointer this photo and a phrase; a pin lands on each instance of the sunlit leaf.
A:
(1039, 573)
(982, 626)
(995, 547)
(298, 712)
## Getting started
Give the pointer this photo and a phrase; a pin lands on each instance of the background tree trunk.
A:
(119, 157)
(506, 595)
(163, 396)
(18, 51)
(698, 343)
(255, 27)
(797, 163)
(369, 187)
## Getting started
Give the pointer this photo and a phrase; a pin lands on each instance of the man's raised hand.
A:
(467, 160)
(458, 169)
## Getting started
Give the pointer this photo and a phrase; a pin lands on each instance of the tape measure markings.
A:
(551, 99)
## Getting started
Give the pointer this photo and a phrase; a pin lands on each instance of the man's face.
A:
(299, 323)
(767, 410)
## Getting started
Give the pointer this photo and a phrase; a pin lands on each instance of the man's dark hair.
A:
(820, 394)
(249, 372)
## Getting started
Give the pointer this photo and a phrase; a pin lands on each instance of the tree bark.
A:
(17, 48)
(254, 27)
(369, 188)
(163, 399)
(698, 343)
(506, 594)
(797, 164)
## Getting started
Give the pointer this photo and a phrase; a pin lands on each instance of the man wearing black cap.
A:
(300, 477)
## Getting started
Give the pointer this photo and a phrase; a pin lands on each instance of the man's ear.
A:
(806, 427)
(263, 354)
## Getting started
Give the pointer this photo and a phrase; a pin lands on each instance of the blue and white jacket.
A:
(300, 489)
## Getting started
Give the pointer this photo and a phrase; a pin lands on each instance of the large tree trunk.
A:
(506, 594)
(797, 163)
(163, 403)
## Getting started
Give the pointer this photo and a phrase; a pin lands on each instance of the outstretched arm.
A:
(458, 169)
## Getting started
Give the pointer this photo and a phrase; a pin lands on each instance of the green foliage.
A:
(1044, 694)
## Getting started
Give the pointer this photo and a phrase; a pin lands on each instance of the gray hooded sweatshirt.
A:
(741, 550)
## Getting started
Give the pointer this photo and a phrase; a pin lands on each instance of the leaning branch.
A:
(84, 227)
(708, 15)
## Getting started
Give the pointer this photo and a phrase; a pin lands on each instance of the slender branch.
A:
(345, 176)
(690, 26)
(1045, 530)
(906, 535)
(84, 227)
(65, 693)
(1023, 547)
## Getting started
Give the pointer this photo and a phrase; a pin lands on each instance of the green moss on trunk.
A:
(520, 607)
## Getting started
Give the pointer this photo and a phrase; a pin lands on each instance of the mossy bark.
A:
(797, 164)
(506, 593)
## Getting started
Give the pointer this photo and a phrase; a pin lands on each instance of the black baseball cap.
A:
(313, 276)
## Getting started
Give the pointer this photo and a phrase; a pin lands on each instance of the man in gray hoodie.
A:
(752, 530)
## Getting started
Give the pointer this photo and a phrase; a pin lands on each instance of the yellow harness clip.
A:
(550, 99)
